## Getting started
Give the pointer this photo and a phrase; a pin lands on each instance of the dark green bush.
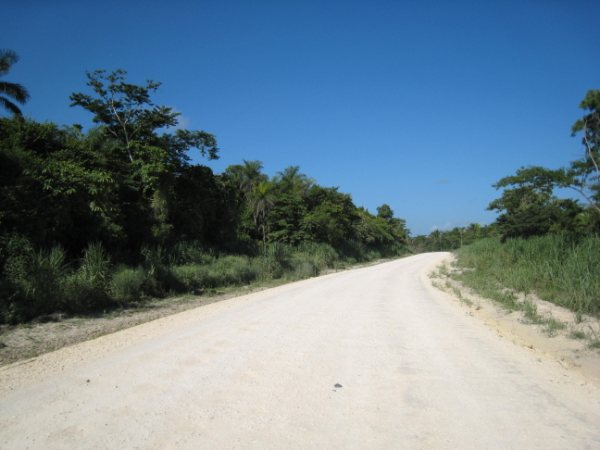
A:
(127, 284)
(88, 288)
(193, 277)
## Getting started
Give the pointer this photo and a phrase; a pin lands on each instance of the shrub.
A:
(88, 288)
(232, 270)
(322, 256)
(160, 278)
(127, 284)
(305, 269)
(81, 294)
(189, 252)
(193, 277)
(38, 279)
(95, 266)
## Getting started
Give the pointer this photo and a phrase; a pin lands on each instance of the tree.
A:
(529, 208)
(144, 158)
(198, 209)
(291, 180)
(585, 173)
(11, 92)
(385, 212)
(261, 202)
(54, 188)
(331, 217)
(245, 177)
(128, 114)
(290, 192)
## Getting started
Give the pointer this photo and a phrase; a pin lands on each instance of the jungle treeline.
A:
(114, 212)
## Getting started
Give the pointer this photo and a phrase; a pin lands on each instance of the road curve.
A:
(366, 358)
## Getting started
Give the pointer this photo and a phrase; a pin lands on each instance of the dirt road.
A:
(367, 358)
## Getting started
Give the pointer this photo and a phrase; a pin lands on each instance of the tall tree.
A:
(246, 176)
(11, 92)
(585, 172)
(291, 180)
(261, 202)
(145, 158)
(528, 206)
(129, 115)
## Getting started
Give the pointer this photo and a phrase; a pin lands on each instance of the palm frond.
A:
(7, 59)
(14, 90)
(10, 106)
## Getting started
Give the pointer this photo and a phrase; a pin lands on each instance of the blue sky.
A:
(419, 104)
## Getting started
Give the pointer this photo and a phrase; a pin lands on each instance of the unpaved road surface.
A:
(367, 358)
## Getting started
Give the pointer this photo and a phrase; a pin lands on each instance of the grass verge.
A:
(559, 269)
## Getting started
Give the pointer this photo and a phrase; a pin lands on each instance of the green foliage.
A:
(232, 270)
(87, 289)
(160, 279)
(186, 252)
(455, 238)
(528, 205)
(585, 172)
(193, 277)
(225, 271)
(331, 216)
(35, 280)
(558, 268)
(73, 203)
(11, 92)
(127, 284)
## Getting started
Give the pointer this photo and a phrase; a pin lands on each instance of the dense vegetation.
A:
(107, 216)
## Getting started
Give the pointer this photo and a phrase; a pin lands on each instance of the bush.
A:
(189, 252)
(224, 271)
(232, 270)
(275, 260)
(37, 280)
(87, 289)
(193, 277)
(95, 266)
(305, 269)
(160, 279)
(322, 256)
(81, 294)
(127, 284)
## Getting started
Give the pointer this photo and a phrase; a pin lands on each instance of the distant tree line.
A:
(447, 240)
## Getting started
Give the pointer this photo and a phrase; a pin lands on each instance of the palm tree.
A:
(10, 92)
(261, 202)
(247, 176)
(293, 181)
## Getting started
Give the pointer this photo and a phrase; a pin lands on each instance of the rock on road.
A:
(366, 358)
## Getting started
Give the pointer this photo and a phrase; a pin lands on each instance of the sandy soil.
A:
(368, 358)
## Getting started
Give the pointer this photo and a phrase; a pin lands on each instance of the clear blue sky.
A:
(419, 104)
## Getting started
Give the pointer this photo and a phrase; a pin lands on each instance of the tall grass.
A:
(34, 283)
(558, 268)
(88, 287)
